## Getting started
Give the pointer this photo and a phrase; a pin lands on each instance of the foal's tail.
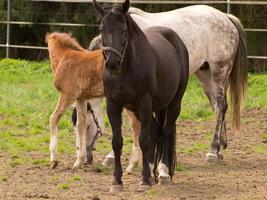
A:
(238, 75)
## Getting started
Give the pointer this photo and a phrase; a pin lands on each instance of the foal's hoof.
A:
(53, 164)
(108, 161)
(213, 158)
(78, 163)
(143, 187)
(165, 180)
(116, 188)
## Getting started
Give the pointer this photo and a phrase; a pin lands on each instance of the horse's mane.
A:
(133, 28)
(66, 40)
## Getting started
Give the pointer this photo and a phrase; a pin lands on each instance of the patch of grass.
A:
(41, 161)
(98, 168)
(264, 137)
(180, 167)
(64, 186)
(152, 193)
(260, 148)
(76, 178)
(3, 179)
(190, 150)
(257, 91)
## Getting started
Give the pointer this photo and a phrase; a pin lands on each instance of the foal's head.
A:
(65, 40)
(114, 34)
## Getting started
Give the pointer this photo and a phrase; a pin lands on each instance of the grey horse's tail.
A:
(238, 76)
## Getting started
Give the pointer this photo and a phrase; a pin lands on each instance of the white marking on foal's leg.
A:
(53, 139)
(136, 151)
(81, 127)
(135, 156)
(77, 140)
(62, 105)
(109, 159)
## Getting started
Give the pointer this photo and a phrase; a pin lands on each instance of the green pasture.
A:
(27, 98)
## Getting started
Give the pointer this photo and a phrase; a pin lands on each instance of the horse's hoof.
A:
(108, 161)
(212, 158)
(165, 180)
(53, 164)
(78, 164)
(223, 144)
(129, 170)
(116, 188)
(220, 157)
(143, 187)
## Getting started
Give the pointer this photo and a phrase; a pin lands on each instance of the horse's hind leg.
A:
(136, 152)
(63, 103)
(81, 106)
(209, 87)
(220, 78)
(168, 148)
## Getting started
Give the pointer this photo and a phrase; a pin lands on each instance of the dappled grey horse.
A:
(217, 55)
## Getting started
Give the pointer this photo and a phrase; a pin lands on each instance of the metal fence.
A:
(8, 22)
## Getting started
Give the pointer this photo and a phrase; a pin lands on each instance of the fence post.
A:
(228, 6)
(8, 28)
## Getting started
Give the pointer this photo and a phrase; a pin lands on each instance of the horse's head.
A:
(114, 34)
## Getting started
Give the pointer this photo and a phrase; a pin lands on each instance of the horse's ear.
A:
(98, 7)
(70, 33)
(47, 36)
(125, 6)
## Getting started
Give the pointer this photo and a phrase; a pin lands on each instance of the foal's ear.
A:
(98, 7)
(125, 6)
(46, 37)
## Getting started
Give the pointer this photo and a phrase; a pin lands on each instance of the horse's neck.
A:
(137, 38)
(55, 54)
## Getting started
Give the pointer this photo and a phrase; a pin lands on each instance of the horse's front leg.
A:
(145, 140)
(81, 107)
(114, 114)
(62, 105)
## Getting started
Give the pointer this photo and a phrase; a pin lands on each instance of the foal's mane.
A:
(66, 40)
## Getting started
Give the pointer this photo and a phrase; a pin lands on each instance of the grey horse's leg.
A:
(209, 87)
(220, 75)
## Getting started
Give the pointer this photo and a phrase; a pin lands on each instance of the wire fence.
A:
(8, 22)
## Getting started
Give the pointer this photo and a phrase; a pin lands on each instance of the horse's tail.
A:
(238, 75)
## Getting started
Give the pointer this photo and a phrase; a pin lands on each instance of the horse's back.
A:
(172, 60)
(174, 46)
(208, 33)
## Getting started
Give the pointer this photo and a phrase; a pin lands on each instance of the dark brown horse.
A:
(137, 66)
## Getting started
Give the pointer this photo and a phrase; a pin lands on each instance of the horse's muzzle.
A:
(113, 66)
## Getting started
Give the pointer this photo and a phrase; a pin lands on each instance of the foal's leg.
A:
(209, 86)
(114, 114)
(63, 103)
(81, 106)
(136, 152)
(220, 78)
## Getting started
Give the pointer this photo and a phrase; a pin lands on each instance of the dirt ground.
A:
(242, 174)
